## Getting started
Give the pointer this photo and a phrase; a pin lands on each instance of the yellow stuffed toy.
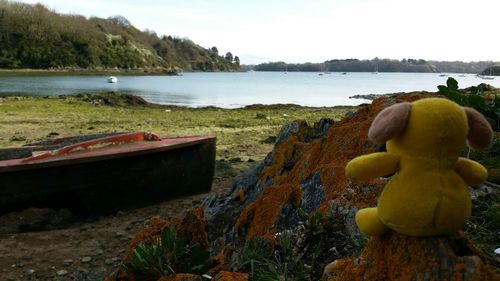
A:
(428, 195)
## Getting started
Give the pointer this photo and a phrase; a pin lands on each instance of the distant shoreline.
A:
(83, 71)
(107, 72)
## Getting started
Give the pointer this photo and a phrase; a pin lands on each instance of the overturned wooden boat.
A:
(100, 174)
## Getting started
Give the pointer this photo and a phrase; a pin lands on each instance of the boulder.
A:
(305, 171)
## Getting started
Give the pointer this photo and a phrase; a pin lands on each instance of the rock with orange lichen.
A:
(396, 257)
(239, 207)
(147, 235)
(231, 276)
(190, 226)
(304, 171)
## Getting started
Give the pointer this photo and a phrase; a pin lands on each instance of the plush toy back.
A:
(428, 194)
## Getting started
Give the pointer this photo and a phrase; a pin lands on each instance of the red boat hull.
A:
(100, 181)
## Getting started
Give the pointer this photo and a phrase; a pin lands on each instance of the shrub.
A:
(169, 255)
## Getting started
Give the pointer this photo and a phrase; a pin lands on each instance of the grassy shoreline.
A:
(85, 72)
(244, 135)
(91, 72)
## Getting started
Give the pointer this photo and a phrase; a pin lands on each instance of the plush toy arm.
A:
(471, 172)
(370, 166)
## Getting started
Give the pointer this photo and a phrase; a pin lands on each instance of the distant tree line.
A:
(32, 36)
(378, 65)
(492, 70)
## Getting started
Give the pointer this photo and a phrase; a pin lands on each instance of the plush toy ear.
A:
(389, 122)
(480, 133)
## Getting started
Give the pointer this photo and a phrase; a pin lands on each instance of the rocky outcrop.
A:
(304, 171)
(398, 257)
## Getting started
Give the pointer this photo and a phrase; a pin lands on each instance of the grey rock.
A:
(287, 218)
(318, 130)
(322, 127)
(484, 189)
(314, 193)
(343, 212)
(222, 211)
(287, 130)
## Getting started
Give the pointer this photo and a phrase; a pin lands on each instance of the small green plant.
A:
(169, 255)
(489, 107)
(484, 225)
(254, 253)
(266, 264)
(315, 225)
(359, 243)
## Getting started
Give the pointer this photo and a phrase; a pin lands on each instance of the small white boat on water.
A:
(112, 79)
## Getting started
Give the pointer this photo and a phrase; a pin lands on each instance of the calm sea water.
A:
(230, 90)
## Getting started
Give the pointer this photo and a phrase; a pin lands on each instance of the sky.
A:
(298, 31)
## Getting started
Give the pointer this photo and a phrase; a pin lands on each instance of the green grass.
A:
(484, 226)
(241, 133)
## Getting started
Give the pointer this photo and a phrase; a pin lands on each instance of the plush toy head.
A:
(433, 127)
(428, 194)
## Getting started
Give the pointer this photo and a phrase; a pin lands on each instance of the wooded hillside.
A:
(32, 36)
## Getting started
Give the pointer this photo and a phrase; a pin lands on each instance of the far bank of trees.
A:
(378, 65)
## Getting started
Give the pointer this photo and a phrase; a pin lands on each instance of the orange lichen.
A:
(241, 196)
(147, 235)
(258, 217)
(231, 276)
(285, 155)
(191, 226)
(395, 257)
